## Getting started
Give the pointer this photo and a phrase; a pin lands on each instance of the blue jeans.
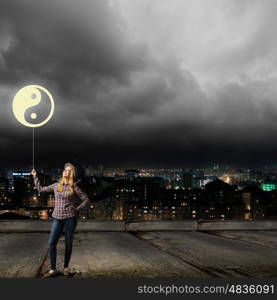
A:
(69, 225)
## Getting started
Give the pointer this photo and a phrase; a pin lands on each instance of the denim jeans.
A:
(69, 225)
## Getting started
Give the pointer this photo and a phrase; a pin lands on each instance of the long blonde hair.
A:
(70, 180)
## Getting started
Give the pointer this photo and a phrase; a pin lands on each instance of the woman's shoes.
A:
(51, 273)
(66, 272)
(69, 272)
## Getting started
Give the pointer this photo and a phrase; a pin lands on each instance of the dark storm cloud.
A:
(64, 42)
(135, 85)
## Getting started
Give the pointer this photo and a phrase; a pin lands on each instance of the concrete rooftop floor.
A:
(188, 254)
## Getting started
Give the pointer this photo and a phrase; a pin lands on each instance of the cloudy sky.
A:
(142, 83)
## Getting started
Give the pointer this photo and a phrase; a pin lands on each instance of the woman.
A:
(64, 214)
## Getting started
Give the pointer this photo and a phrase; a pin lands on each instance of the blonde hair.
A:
(71, 181)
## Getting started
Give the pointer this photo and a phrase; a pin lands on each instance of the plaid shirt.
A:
(64, 201)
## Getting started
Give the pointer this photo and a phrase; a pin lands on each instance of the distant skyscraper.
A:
(253, 198)
(130, 174)
(23, 188)
(188, 180)
(5, 195)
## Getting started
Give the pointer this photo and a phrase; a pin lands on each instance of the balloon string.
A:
(33, 147)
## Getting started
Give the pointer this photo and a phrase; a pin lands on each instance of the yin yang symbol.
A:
(26, 104)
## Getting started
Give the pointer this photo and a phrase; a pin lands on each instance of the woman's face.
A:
(66, 172)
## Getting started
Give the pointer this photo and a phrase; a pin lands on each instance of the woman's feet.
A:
(69, 272)
(66, 272)
(51, 273)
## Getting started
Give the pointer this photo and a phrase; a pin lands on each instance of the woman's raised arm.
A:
(49, 188)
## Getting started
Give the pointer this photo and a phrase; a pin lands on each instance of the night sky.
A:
(140, 83)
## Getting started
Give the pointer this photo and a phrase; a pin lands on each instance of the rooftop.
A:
(188, 249)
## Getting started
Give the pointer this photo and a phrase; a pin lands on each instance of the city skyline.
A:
(194, 83)
(149, 195)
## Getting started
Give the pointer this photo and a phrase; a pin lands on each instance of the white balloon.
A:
(27, 97)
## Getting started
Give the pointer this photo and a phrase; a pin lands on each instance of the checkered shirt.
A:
(64, 201)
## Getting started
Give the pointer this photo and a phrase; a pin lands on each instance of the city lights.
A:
(155, 197)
